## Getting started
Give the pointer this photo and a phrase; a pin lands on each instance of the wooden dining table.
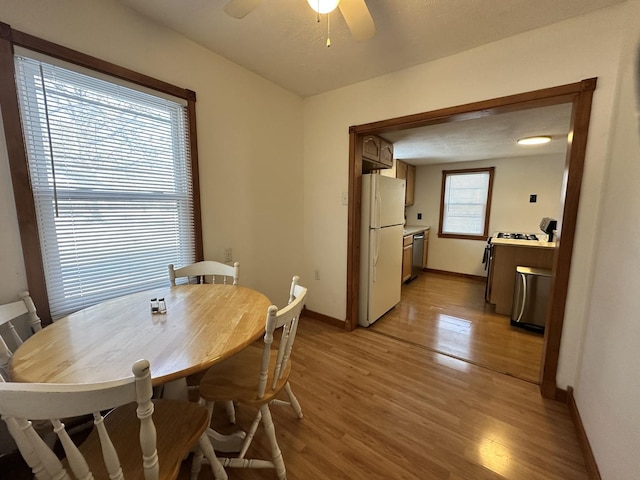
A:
(203, 324)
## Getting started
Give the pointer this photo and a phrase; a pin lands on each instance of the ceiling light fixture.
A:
(323, 6)
(539, 140)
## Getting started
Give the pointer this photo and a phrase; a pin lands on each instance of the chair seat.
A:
(237, 378)
(178, 425)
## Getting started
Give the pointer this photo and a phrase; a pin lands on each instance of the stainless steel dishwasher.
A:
(530, 298)
(418, 252)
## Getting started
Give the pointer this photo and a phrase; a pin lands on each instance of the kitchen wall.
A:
(565, 52)
(514, 179)
(249, 138)
(608, 385)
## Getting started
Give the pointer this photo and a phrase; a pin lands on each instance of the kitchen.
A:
(526, 189)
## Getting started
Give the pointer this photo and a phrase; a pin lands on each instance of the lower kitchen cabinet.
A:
(407, 257)
(502, 273)
(425, 252)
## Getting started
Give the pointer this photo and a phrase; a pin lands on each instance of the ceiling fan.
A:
(355, 13)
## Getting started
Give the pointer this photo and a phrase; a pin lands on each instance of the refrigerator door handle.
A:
(378, 210)
(523, 297)
(376, 251)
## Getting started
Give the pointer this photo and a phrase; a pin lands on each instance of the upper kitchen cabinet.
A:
(410, 193)
(406, 172)
(377, 151)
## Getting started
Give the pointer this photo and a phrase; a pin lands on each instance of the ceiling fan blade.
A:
(358, 18)
(241, 8)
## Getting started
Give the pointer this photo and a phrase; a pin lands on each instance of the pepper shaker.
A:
(154, 305)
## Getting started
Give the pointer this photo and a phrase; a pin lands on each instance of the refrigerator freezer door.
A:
(385, 271)
(386, 200)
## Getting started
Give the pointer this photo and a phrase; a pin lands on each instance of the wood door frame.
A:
(580, 95)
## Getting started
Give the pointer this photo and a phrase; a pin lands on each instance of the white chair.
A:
(293, 401)
(254, 377)
(8, 313)
(219, 272)
(151, 446)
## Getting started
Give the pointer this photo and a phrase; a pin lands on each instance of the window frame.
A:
(465, 171)
(23, 194)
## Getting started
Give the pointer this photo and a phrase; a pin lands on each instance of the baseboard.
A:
(583, 440)
(324, 318)
(477, 278)
(562, 395)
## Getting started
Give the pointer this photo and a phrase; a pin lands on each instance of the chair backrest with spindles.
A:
(8, 313)
(200, 271)
(21, 403)
(287, 320)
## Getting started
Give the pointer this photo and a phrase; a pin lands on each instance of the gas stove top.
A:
(517, 236)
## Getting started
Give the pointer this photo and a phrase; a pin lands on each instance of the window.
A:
(110, 172)
(466, 203)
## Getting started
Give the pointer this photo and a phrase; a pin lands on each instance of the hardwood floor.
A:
(382, 403)
(376, 407)
(448, 314)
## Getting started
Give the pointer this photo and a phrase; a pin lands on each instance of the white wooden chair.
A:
(8, 313)
(293, 401)
(254, 377)
(219, 272)
(151, 446)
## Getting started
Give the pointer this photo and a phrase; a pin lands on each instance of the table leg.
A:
(177, 390)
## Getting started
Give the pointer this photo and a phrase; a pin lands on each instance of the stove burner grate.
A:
(517, 236)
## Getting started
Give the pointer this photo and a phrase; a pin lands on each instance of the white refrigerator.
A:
(382, 225)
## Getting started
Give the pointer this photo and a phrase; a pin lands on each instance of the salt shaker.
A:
(162, 307)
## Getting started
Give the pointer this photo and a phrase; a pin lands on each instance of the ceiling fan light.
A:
(539, 140)
(323, 6)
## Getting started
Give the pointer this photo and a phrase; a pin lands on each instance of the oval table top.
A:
(203, 325)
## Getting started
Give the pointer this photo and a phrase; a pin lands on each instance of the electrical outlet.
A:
(533, 198)
(419, 216)
(345, 198)
(228, 255)
(317, 274)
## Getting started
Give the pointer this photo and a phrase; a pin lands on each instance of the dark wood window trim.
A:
(485, 234)
(23, 195)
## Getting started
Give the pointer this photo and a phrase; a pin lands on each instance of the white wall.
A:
(566, 52)
(514, 179)
(249, 137)
(608, 388)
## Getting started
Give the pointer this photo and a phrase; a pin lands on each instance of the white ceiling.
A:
(484, 138)
(281, 41)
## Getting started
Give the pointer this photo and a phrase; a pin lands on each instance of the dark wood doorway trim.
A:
(580, 95)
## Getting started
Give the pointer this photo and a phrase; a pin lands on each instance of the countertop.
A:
(413, 229)
(522, 243)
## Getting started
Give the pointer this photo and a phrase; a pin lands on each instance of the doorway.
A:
(580, 96)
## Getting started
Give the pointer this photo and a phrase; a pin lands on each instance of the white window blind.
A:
(465, 203)
(110, 171)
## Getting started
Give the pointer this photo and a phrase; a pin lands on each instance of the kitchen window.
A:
(466, 203)
(110, 170)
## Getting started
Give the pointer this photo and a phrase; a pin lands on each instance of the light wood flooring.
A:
(448, 314)
(376, 407)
